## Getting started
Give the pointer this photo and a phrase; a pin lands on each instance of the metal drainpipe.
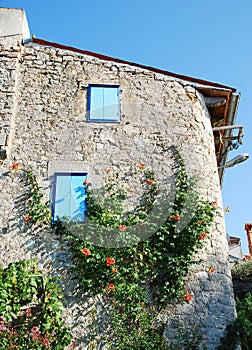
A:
(234, 101)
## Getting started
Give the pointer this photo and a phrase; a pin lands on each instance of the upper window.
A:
(104, 103)
(69, 196)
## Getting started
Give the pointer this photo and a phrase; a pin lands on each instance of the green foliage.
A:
(161, 261)
(137, 332)
(187, 338)
(139, 261)
(30, 309)
(135, 325)
(124, 254)
(242, 270)
(240, 331)
(38, 211)
(106, 214)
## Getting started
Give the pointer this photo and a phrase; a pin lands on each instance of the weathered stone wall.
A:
(51, 132)
(10, 49)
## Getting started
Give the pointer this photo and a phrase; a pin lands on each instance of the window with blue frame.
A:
(103, 103)
(69, 197)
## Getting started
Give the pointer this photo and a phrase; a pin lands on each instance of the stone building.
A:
(70, 111)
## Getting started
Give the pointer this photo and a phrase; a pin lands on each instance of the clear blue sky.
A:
(210, 40)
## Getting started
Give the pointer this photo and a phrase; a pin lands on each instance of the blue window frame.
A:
(69, 195)
(103, 103)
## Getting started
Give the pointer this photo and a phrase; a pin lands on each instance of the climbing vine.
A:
(161, 261)
(147, 273)
(138, 258)
(38, 210)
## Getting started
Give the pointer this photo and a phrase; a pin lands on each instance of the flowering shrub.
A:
(30, 310)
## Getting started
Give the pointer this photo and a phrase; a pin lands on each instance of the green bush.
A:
(242, 270)
(30, 309)
(240, 331)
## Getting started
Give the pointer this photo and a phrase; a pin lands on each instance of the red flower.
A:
(114, 270)
(14, 166)
(149, 182)
(110, 287)
(85, 251)
(211, 269)
(27, 217)
(214, 203)
(187, 297)
(175, 217)
(203, 235)
(122, 228)
(226, 210)
(110, 261)
(141, 165)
